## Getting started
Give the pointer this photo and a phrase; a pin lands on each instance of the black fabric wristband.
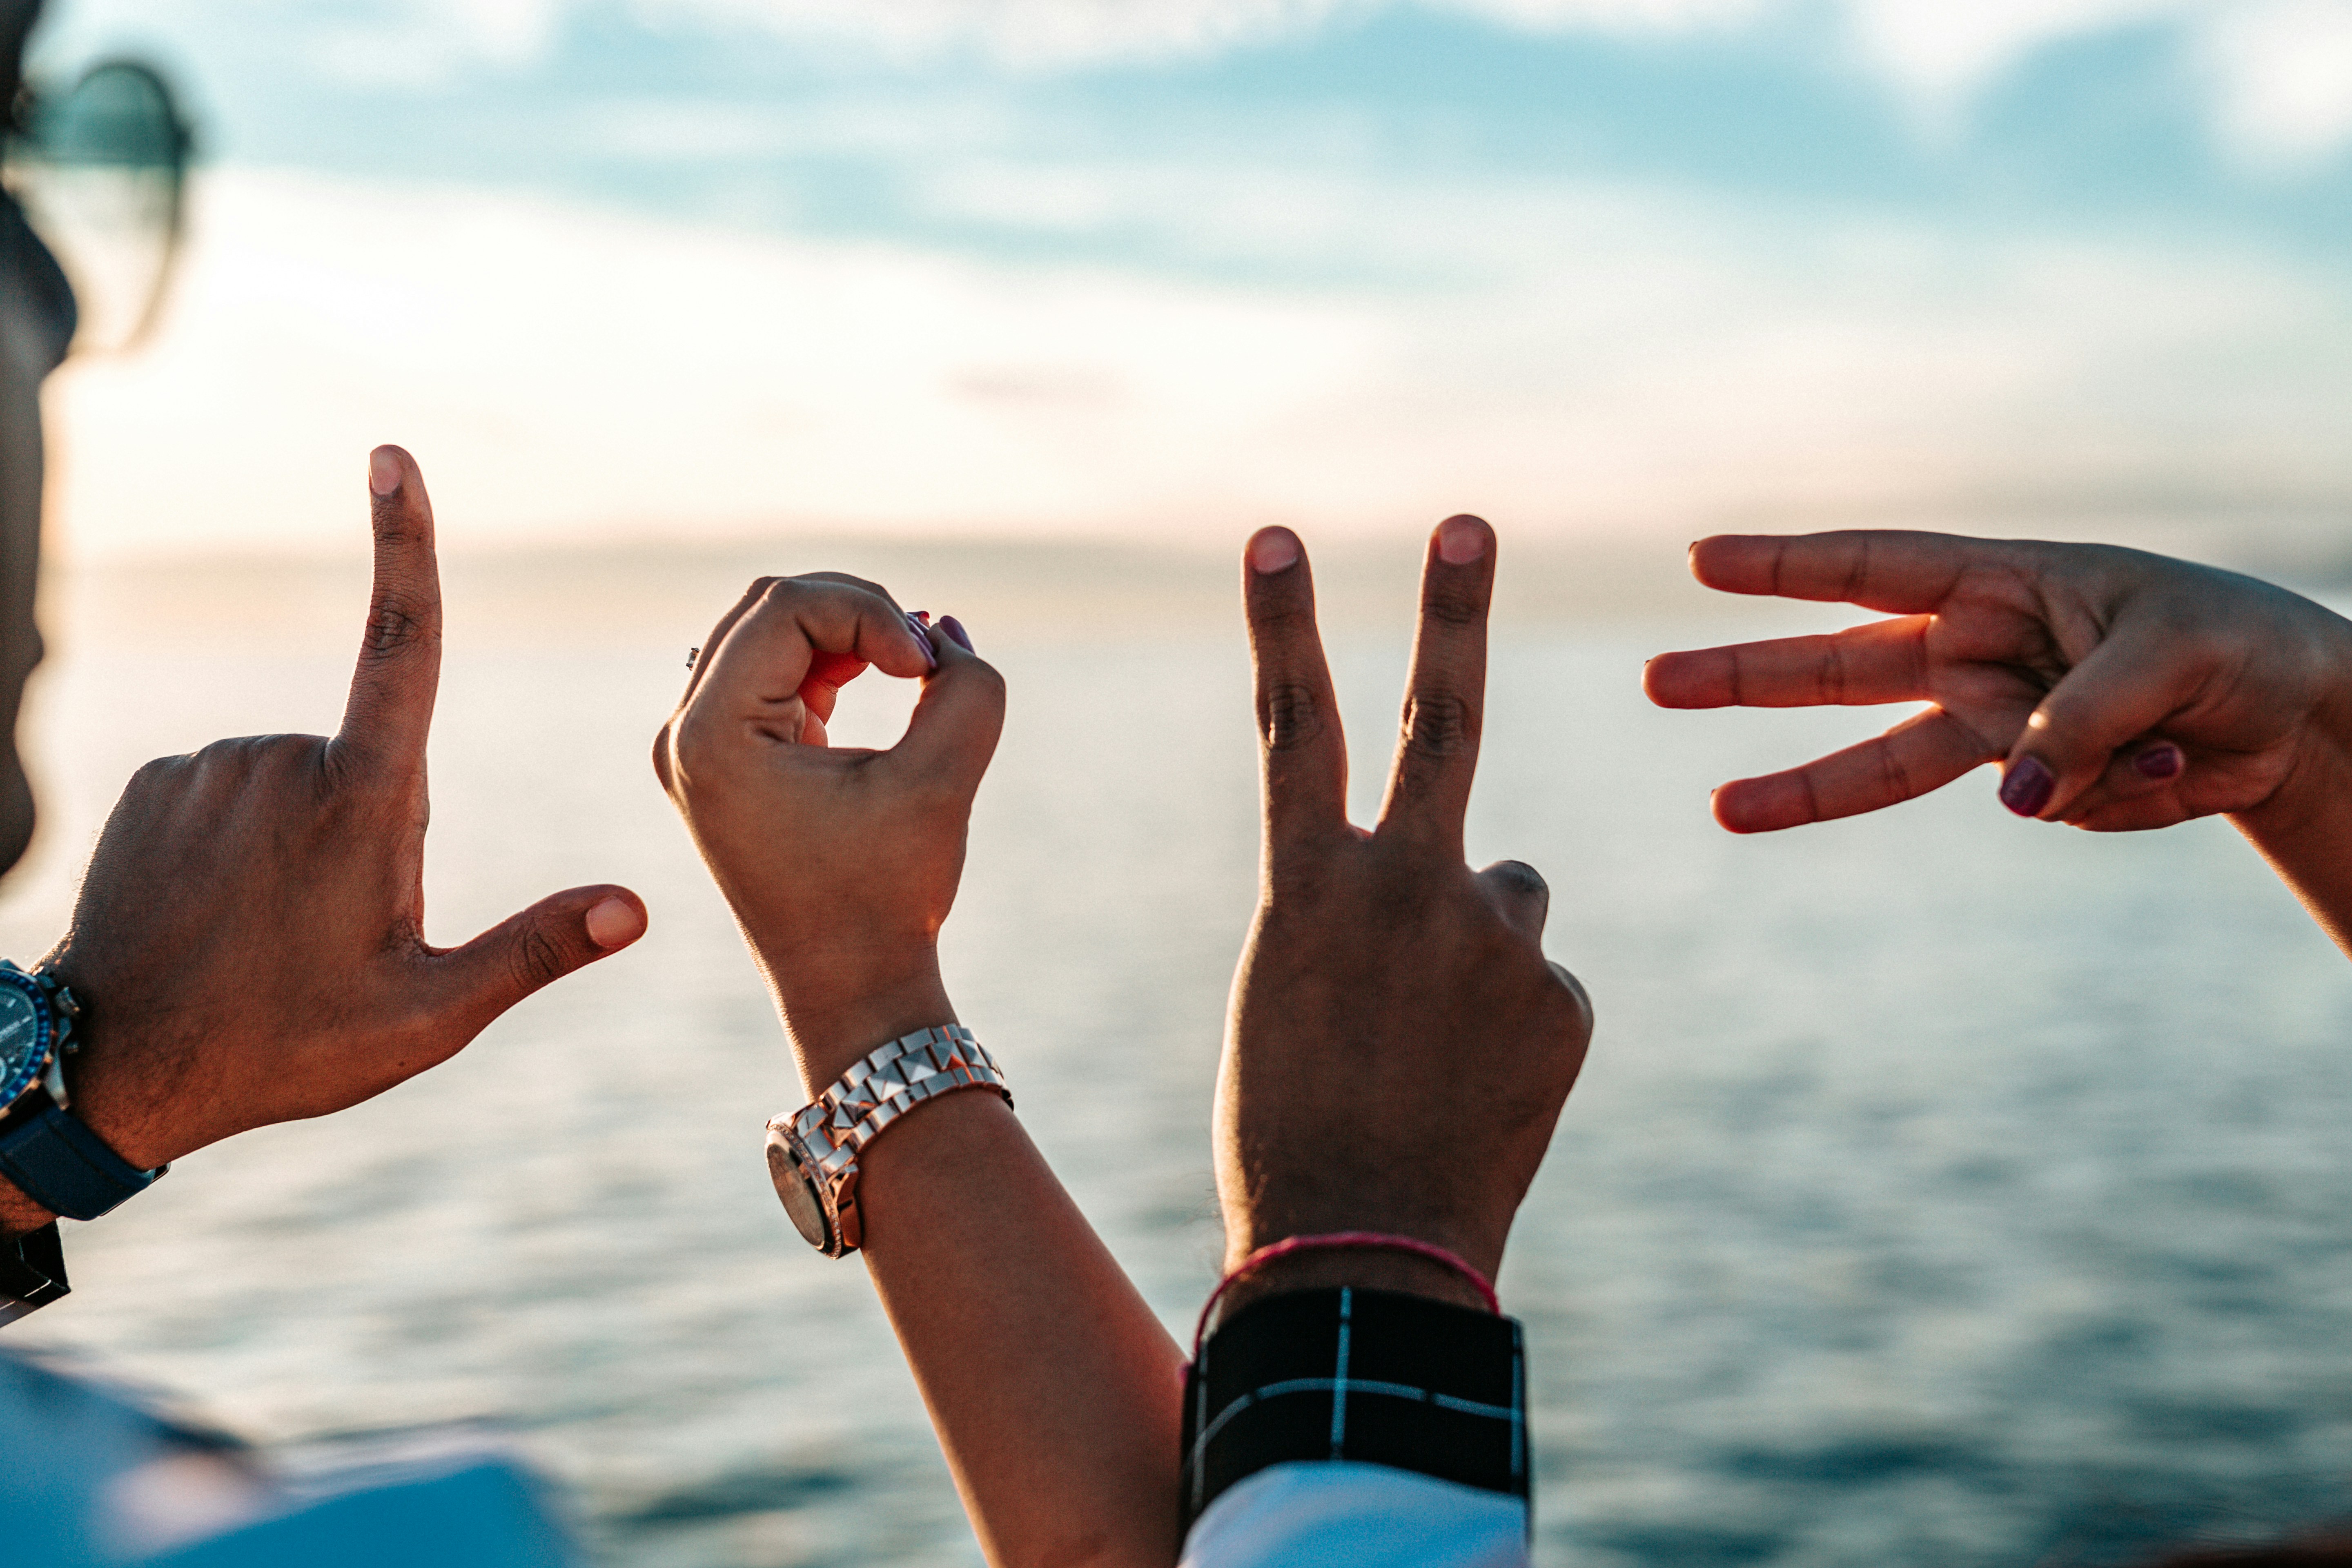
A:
(32, 1272)
(1374, 1376)
(64, 1166)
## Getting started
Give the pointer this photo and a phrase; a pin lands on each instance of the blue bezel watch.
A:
(48, 1152)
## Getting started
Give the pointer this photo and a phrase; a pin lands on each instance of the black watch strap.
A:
(61, 1164)
(32, 1272)
(1373, 1376)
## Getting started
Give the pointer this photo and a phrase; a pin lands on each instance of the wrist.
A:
(19, 1213)
(2310, 802)
(1365, 1267)
(834, 1017)
(127, 1113)
(2316, 778)
(1254, 1224)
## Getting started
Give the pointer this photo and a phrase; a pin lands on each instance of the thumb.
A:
(952, 733)
(2121, 690)
(561, 932)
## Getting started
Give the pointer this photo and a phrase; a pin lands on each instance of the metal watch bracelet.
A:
(812, 1151)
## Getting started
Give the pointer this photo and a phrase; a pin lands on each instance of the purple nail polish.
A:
(922, 637)
(954, 628)
(2026, 788)
(2158, 762)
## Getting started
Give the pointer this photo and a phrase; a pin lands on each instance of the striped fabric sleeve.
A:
(1363, 1376)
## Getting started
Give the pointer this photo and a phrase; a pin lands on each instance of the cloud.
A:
(2278, 73)
(1026, 34)
(2282, 75)
(1601, 357)
(2275, 75)
(1943, 52)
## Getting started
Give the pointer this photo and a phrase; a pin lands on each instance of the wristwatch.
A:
(813, 1152)
(45, 1150)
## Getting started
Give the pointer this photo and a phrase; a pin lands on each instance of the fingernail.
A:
(915, 620)
(954, 628)
(383, 470)
(1461, 541)
(615, 922)
(1275, 550)
(2025, 788)
(2158, 762)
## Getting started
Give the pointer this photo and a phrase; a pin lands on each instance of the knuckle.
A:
(237, 754)
(1577, 994)
(1830, 678)
(395, 624)
(690, 745)
(1894, 775)
(843, 580)
(160, 770)
(1437, 724)
(538, 959)
(1289, 715)
(1278, 617)
(1454, 604)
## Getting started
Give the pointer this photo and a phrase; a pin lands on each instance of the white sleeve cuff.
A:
(1344, 1515)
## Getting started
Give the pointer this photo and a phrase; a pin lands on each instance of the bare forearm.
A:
(2304, 831)
(1054, 1390)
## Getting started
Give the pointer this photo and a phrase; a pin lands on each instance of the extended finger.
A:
(1881, 569)
(1885, 661)
(1925, 752)
(952, 732)
(1519, 894)
(1445, 693)
(701, 664)
(561, 932)
(1303, 754)
(389, 713)
(2120, 691)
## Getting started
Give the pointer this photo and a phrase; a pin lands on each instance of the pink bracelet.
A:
(1335, 1241)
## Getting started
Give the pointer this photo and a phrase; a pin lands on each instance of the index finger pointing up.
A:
(1893, 569)
(1302, 750)
(390, 712)
(1446, 695)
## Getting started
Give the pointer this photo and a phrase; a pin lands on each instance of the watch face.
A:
(23, 1037)
(794, 1185)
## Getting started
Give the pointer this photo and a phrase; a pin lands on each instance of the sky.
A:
(1172, 268)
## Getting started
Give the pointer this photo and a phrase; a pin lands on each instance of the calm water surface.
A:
(1941, 1190)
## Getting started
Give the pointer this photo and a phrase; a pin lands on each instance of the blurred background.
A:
(1942, 1188)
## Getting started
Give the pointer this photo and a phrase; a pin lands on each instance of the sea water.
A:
(1942, 1189)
